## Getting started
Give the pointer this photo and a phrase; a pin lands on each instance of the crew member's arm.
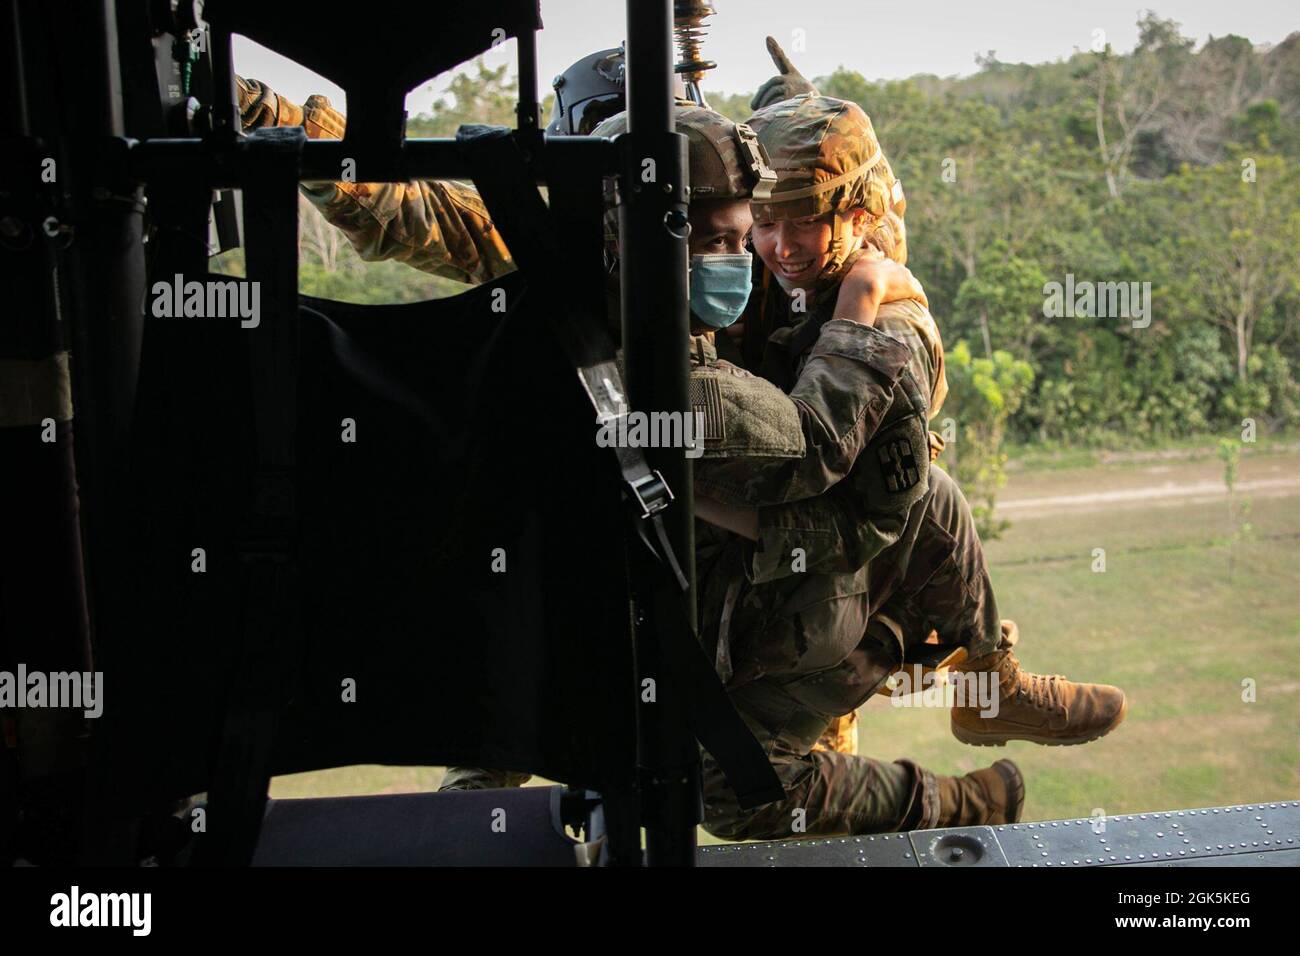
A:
(874, 292)
(737, 520)
(438, 226)
(833, 533)
(769, 448)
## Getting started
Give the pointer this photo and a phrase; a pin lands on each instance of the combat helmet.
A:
(827, 160)
(591, 90)
(726, 159)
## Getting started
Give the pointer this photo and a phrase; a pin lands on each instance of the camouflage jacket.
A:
(434, 225)
(834, 467)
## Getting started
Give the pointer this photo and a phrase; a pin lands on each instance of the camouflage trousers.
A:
(481, 778)
(934, 580)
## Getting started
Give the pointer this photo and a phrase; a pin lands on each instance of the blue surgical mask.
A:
(720, 287)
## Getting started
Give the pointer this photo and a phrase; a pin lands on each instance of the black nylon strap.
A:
(271, 633)
(507, 188)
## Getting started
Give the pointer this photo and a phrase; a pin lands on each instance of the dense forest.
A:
(1034, 191)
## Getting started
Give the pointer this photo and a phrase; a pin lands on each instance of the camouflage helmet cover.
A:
(726, 159)
(827, 159)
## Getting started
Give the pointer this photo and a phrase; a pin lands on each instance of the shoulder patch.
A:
(898, 464)
(706, 399)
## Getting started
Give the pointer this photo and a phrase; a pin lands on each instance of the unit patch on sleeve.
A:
(898, 465)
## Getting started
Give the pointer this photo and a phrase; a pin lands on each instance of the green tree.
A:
(487, 96)
(983, 394)
(1235, 255)
(1007, 296)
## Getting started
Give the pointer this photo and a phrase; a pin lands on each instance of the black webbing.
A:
(268, 542)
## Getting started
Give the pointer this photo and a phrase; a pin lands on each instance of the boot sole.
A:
(1000, 740)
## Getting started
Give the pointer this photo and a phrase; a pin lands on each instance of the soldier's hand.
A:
(871, 282)
(787, 83)
(249, 94)
(258, 104)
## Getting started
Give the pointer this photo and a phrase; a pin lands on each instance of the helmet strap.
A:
(843, 244)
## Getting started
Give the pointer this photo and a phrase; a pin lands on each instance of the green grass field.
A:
(1163, 621)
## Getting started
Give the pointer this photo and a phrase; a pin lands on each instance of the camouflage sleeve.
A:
(768, 448)
(828, 534)
(434, 225)
(912, 324)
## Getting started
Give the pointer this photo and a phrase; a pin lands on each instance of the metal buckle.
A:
(751, 152)
(655, 489)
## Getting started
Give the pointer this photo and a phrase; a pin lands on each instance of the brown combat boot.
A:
(1041, 709)
(993, 795)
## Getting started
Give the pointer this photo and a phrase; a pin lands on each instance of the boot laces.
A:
(1042, 690)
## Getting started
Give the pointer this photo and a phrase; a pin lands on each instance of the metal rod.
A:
(225, 99)
(13, 112)
(655, 341)
(527, 109)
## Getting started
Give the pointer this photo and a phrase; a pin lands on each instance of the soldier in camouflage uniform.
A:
(803, 444)
(836, 195)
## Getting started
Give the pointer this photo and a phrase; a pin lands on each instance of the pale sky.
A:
(881, 40)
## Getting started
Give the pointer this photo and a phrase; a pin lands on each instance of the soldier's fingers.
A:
(783, 64)
(913, 284)
(762, 97)
(247, 94)
(914, 288)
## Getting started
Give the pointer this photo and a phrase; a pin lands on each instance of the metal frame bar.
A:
(656, 328)
(220, 165)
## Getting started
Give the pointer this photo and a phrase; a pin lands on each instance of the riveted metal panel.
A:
(958, 846)
(1172, 836)
(879, 850)
(1260, 834)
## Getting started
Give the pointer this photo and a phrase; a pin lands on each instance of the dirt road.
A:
(1176, 483)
